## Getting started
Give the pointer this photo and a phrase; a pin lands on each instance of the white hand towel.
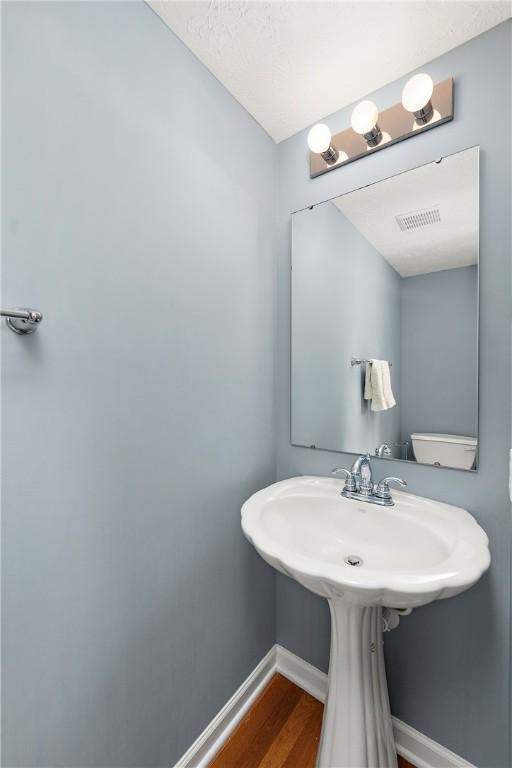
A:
(368, 382)
(377, 387)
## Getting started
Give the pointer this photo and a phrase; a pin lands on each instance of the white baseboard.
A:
(422, 751)
(206, 746)
(410, 743)
(300, 672)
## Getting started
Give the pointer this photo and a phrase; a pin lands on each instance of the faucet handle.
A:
(347, 472)
(382, 489)
(350, 483)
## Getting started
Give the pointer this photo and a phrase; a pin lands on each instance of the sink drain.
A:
(353, 560)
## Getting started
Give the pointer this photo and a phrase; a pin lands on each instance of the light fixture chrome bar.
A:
(394, 124)
(361, 361)
(22, 320)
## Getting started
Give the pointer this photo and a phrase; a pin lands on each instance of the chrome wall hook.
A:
(22, 320)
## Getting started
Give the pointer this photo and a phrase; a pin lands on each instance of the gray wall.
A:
(141, 414)
(440, 352)
(331, 259)
(132, 605)
(448, 663)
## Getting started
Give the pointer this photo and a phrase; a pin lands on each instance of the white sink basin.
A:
(411, 553)
(405, 556)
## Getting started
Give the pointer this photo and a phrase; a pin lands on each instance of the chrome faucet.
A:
(359, 484)
(362, 472)
(384, 449)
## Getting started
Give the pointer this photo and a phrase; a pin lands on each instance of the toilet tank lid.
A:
(441, 438)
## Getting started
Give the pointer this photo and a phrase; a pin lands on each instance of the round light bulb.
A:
(319, 138)
(417, 92)
(364, 117)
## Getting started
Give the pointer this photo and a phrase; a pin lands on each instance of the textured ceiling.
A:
(450, 186)
(291, 63)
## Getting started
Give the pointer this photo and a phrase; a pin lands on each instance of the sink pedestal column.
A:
(356, 729)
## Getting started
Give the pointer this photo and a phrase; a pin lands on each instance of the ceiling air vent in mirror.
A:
(417, 219)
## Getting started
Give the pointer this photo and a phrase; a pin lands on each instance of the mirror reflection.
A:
(385, 318)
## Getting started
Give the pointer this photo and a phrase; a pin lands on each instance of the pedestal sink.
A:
(365, 560)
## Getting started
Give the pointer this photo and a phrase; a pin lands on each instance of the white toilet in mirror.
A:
(455, 451)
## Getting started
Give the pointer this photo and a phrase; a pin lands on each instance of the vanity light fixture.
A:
(416, 98)
(319, 142)
(372, 130)
(364, 122)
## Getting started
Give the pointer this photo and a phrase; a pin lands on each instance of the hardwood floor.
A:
(281, 730)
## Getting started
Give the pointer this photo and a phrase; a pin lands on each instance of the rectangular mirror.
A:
(384, 340)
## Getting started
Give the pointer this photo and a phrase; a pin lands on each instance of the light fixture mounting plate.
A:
(396, 125)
